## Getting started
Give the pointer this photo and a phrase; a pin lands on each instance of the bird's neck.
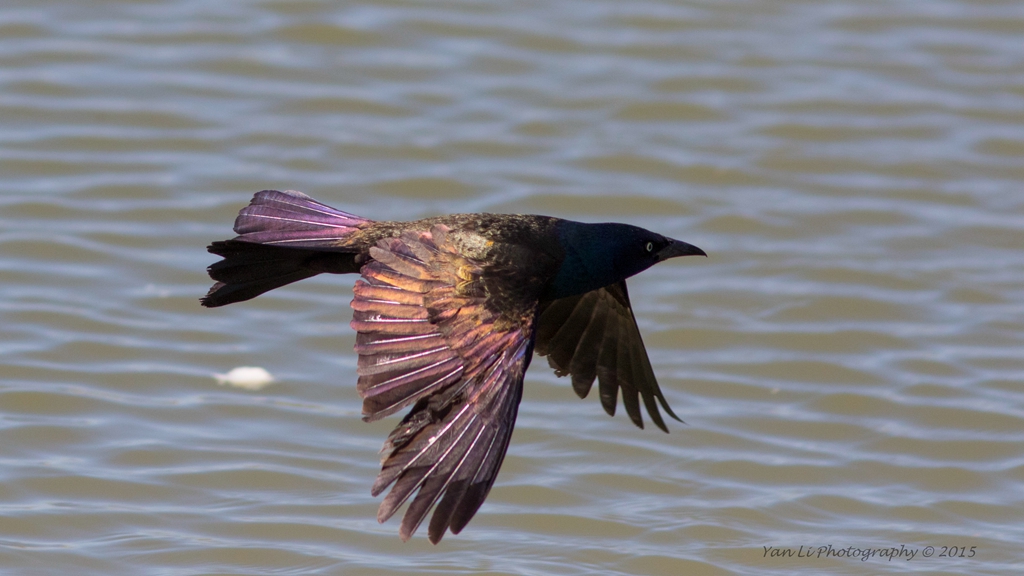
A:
(588, 262)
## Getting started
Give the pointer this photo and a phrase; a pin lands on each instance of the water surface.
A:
(848, 360)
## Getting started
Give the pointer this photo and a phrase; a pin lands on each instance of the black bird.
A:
(448, 314)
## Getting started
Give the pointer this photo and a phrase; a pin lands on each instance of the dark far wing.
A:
(426, 338)
(594, 336)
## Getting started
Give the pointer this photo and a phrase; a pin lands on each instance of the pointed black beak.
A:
(679, 248)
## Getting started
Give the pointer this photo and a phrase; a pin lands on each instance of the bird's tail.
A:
(282, 237)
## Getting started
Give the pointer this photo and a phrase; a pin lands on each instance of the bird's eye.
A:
(650, 246)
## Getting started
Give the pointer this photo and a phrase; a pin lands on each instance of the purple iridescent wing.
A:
(594, 335)
(426, 338)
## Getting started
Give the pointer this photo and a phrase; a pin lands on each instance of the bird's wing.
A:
(594, 335)
(426, 337)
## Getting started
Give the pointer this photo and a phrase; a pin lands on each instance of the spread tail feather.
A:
(283, 237)
(291, 218)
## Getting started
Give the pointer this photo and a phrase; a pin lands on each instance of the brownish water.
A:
(848, 360)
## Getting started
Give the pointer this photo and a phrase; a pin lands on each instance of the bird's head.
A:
(597, 255)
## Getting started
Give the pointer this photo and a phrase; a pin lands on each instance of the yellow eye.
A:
(650, 246)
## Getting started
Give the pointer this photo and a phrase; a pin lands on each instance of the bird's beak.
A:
(679, 248)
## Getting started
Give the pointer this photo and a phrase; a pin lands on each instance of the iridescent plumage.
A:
(448, 313)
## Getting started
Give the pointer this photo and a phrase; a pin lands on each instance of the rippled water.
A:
(848, 360)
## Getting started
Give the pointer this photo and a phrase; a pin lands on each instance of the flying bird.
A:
(448, 314)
